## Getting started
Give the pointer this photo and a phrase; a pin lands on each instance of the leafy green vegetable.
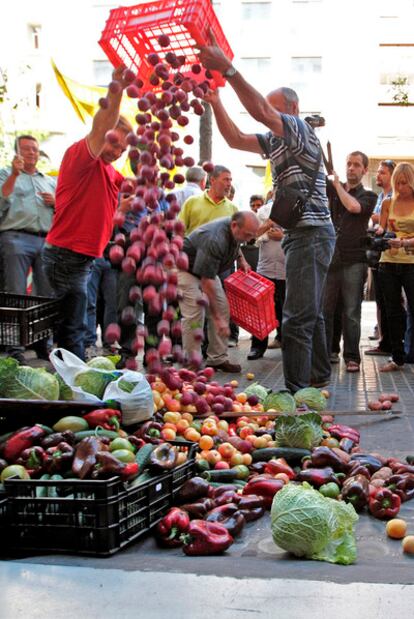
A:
(280, 401)
(93, 381)
(257, 390)
(312, 397)
(65, 392)
(303, 431)
(310, 525)
(126, 385)
(22, 382)
(101, 363)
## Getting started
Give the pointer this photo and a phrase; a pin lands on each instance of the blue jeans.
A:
(394, 278)
(68, 274)
(102, 280)
(308, 253)
(278, 298)
(345, 281)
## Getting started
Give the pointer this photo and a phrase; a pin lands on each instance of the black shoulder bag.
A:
(289, 203)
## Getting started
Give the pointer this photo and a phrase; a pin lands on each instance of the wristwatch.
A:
(231, 71)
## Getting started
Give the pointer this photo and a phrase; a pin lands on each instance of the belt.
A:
(33, 232)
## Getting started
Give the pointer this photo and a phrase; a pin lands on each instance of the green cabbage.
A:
(303, 431)
(280, 401)
(93, 381)
(307, 524)
(22, 382)
(312, 397)
(101, 363)
(65, 392)
(257, 390)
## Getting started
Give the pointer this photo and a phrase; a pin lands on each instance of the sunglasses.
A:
(389, 163)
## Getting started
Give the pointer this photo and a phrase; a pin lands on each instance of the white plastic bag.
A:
(135, 406)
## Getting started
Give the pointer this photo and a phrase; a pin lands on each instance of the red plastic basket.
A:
(131, 33)
(251, 302)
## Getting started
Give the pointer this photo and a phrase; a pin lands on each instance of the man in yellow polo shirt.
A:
(211, 204)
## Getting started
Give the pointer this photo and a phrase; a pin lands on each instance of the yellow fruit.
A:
(408, 544)
(396, 528)
(250, 376)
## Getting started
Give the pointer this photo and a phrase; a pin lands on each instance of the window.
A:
(34, 31)
(304, 71)
(256, 10)
(38, 91)
(102, 72)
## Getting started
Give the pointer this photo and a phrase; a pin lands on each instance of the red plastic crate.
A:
(251, 302)
(131, 34)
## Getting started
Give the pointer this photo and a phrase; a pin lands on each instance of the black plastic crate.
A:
(96, 517)
(3, 520)
(25, 319)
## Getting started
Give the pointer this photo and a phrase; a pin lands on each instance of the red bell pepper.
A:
(206, 538)
(32, 460)
(57, 457)
(171, 527)
(229, 516)
(106, 418)
(384, 504)
(403, 485)
(264, 485)
(340, 431)
(21, 440)
(273, 467)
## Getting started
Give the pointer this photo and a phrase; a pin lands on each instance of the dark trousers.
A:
(394, 278)
(384, 343)
(68, 274)
(279, 299)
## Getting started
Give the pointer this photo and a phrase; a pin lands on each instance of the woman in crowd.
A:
(396, 268)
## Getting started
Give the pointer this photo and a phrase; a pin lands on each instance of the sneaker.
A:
(230, 368)
(91, 352)
(334, 357)
(377, 351)
(232, 343)
(275, 344)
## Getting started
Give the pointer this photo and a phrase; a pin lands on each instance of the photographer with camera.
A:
(383, 180)
(351, 207)
(396, 268)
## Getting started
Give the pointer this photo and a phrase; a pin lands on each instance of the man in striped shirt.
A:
(294, 152)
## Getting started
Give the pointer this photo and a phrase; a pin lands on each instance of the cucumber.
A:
(141, 479)
(238, 483)
(41, 491)
(97, 432)
(291, 454)
(222, 475)
(143, 455)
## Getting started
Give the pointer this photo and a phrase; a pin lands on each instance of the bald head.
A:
(244, 226)
(284, 100)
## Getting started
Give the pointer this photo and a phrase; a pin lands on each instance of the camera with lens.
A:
(315, 121)
(374, 244)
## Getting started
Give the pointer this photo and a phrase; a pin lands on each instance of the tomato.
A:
(236, 459)
(260, 442)
(168, 434)
(247, 459)
(246, 431)
(223, 425)
(283, 477)
(188, 417)
(221, 465)
(191, 434)
(171, 417)
(206, 442)
(121, 443)
(330, 442)
(226, 450)
(408, 544)
(169, 426)
(209, 427)
(124, 455)
(241, 397)
(182, 426)
(181, 458)
(213, 456)
(158, 386)
(172, 404)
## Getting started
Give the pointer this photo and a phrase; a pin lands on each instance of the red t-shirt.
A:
(86, 200)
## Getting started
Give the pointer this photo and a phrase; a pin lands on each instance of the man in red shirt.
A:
(86, 201)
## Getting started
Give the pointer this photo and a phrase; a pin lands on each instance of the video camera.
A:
(374, 244)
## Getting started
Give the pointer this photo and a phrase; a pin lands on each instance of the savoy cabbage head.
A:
(307, 524)
(303, 431)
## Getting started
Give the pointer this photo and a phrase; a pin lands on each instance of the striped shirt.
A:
(293, 158)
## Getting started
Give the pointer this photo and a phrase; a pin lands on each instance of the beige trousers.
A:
(193, 316)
